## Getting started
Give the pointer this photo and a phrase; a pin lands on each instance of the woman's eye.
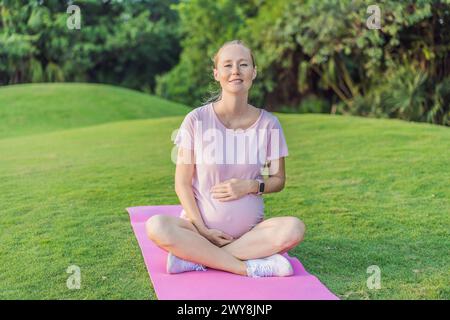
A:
(243, 64)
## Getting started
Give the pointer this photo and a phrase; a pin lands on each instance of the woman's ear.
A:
(216, 74)
(254, 73)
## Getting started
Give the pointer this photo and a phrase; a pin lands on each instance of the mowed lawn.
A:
(37, 108)
(370, 191)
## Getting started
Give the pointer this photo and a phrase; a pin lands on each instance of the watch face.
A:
(261, 187)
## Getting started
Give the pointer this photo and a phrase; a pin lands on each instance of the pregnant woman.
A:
(224, 147)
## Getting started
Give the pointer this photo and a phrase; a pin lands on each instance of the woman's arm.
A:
(183, 187)
(276, 180)
(233, 189)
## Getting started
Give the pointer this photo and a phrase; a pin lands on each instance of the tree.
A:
(120, 42)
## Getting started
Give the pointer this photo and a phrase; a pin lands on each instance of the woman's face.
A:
(234, 69)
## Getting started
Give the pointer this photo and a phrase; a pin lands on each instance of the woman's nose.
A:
(235, 70)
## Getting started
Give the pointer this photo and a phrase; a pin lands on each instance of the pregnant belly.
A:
(234, 217)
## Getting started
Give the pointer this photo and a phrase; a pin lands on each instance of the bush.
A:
(313, 104)
(310, 104)
(408, 94)
(440, 112)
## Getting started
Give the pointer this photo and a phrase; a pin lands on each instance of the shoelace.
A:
(199, 267)
(262, 270)
(187, 265)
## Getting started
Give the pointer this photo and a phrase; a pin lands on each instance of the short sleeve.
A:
(185, 134)
(276, 142)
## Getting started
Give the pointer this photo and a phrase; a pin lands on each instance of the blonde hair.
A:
(217, 95)
(215, 59)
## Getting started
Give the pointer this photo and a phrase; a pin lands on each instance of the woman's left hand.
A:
(231, 189)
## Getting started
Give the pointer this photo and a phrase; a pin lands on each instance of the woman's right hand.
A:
(217, 237)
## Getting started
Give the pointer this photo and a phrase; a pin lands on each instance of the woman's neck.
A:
(232, 106)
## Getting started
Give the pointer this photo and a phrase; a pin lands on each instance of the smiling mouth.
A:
(236, 81)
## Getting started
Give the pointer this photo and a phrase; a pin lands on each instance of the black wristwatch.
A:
(260, 186)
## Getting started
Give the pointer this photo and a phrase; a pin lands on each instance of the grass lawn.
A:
(371, 192)
(38, 108)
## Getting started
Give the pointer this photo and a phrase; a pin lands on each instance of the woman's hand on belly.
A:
(231, 189)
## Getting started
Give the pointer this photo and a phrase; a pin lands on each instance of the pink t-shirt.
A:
(221, 154)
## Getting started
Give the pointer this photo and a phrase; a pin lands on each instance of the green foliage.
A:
(121, 42)
(405, 93)
(313, 104)
(322, 48)
(440, 113)
(309, 104)
(302, 47)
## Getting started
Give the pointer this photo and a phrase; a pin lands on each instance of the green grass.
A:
(38, 108)
(371, 192)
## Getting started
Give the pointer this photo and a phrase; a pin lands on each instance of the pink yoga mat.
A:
(215, 284)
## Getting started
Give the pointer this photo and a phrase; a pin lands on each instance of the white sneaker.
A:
(178, 265)
(273, 266)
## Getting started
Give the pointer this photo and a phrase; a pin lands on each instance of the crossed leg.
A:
(180, 237)
(274, 235)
